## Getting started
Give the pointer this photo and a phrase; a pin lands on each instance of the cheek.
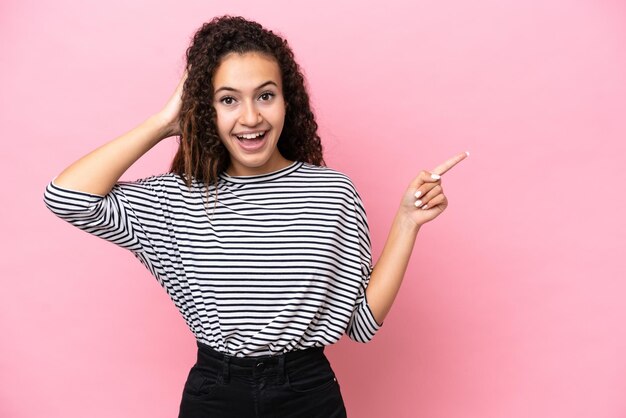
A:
(224, 122)
(278, 116)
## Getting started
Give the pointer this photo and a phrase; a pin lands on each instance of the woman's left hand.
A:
(430, 201)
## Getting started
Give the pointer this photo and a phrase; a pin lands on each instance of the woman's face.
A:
(250, 112)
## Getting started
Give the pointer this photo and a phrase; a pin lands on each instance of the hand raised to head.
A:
(170, 112)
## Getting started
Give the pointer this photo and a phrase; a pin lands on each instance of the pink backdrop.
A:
(513, 304)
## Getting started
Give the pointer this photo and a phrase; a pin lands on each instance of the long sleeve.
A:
(363, 326)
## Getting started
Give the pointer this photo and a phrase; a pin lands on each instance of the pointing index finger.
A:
(442, 168)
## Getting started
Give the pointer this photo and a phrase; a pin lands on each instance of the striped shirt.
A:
(279, 263)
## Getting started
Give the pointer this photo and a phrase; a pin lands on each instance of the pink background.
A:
(513, 304)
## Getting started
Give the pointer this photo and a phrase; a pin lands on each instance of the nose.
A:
(250, 115)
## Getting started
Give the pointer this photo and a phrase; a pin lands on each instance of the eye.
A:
(227, 100)
(266, 96)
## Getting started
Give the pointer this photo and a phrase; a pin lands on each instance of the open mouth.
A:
(251, 137)
(252, 142)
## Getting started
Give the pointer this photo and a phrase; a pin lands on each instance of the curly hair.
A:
(201, 154)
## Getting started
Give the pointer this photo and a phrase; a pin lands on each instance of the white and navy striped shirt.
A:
(281, 262)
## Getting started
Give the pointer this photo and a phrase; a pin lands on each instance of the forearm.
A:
(388, 272)
(98, 171)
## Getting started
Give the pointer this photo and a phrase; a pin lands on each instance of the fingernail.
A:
(467, 153)
(418, 193)
(435, 176)
(425, 206)
(418, 203)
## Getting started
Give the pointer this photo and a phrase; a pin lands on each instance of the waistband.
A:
(258, 365)
(253, 361)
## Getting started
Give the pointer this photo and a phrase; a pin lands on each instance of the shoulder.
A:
(336, 180)
(327, 176)
(168, 183)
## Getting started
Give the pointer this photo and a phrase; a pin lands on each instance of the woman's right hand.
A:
(169, 114)
(98, 171)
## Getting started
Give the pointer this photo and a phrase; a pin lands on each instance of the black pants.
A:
(298, 384)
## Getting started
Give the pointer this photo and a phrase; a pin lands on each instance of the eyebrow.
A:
(235, 90)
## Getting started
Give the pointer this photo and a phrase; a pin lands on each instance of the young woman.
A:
(264, 250)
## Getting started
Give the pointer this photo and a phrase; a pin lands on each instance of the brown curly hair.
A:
(201, 154)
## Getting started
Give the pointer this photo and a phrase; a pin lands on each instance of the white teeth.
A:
(250, 136)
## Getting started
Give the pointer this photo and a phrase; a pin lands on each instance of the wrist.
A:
(162, 127)
(405, 222)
